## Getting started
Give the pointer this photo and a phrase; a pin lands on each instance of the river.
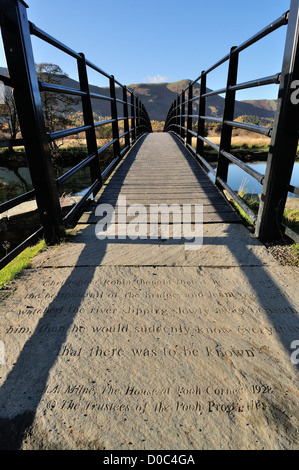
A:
(17, 181)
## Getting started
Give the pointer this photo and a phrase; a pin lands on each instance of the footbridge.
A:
(170, 175)
(154, 319)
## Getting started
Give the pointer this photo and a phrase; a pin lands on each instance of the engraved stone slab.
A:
(150, 358)
(223, 245)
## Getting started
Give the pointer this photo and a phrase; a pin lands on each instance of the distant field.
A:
(242, 142)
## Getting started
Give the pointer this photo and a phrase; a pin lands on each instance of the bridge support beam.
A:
(284, 139)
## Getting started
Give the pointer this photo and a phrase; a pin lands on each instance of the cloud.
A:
(156, 79)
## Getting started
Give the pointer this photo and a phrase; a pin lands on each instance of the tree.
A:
(57, 107)
(10, 121)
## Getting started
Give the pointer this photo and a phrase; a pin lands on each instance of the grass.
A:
(242, 142)
(21, 262)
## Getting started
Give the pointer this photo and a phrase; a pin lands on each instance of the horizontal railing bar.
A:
(6, 80)
(75, 169)
(79, 204)
(103, 123)
(238, 200)
(267, 131)
(255, 174)
(197, 97)
(214, 92)
(11, 142)
(120, 101)
(82, 164)
(124, 150)
(123, 134)
(107, 146)
(290, 233)
(258, 82)
(202, 159)
(67, 132)
(97, 69)
(97, 96)
(185, 115)
(16, 251)
(211, 144)
(282, 20)
(51, 40)
(5, 206)
(53, 88)
(211, 118)
(109, 167)
(220, 62)
(188, 130)
(213, 67)
(179, 105)
(294, 190)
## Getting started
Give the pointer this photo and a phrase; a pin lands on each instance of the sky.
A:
(156, 41)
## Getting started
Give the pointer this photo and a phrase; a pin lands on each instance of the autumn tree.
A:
(57, 107)
(9, 117)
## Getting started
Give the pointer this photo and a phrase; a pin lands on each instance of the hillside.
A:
(157, 97)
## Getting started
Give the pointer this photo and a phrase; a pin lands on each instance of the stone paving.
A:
(152, 342)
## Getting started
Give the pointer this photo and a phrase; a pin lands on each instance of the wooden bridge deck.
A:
(144, 344)
(161, 170)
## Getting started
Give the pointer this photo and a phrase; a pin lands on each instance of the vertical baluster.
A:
(126, 116)
(91, 140)
(133, 118)
(228, 114)
(114, 116)
(183, 119)
(201, 112)
(189, 118)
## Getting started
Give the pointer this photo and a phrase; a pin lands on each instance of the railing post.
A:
(20, 61)
(201, 112)
(126, 116)
(228, 115)
(183, 119)
(189, 118)
(91, 140)
(284, 138)
(140, 116)
(149, 125)
(114, 116)
(175, 116)
(133, 117)
(137, 120)
(167, 121)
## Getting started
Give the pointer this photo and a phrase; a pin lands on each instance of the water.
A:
(238, 178)
(18, 181)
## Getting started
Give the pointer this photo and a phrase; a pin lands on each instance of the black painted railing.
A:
(16, 34)
(283, 134)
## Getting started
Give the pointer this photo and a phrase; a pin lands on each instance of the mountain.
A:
(157, 98)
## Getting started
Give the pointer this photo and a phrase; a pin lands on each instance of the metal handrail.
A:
(17, 37)
(177, 116)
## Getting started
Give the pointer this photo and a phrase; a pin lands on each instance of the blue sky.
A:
(161, 40)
